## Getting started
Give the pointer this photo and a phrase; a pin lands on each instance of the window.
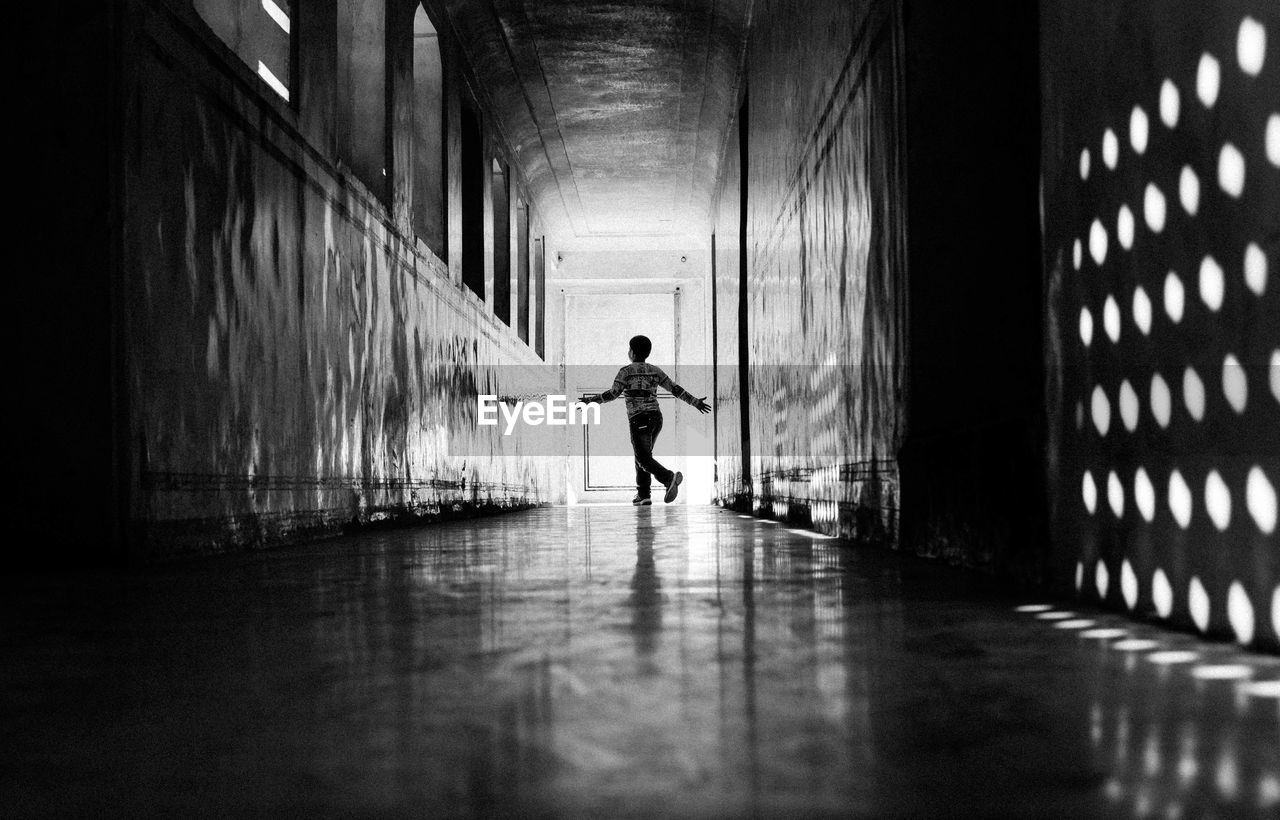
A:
(362, 91)
(522, 272)
(429, 209)
(501, 243)
(472, 200)
(540, 296)
(258, 31)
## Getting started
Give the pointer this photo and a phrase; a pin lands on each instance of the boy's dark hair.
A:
(642, 346)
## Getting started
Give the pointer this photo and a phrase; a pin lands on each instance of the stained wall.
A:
(295, 359)
(824, 283)
(1161, 186)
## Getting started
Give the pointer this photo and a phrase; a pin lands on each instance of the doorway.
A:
(598, 328)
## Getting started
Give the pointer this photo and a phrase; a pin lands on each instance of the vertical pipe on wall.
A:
(744, 305)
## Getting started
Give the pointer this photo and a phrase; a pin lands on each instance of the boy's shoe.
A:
(641, 501)
(674, 487)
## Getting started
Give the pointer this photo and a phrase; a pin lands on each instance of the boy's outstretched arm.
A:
(684, 395)
(619, 386)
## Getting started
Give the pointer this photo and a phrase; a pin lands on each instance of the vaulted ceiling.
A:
(618, 112)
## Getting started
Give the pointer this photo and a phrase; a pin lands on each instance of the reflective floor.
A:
(596, 661)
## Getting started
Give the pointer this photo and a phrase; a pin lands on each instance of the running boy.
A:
(638, 382)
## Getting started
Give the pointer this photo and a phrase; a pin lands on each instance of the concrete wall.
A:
(1161, 185)
(825, 271)
(294, 359)
(731, 484)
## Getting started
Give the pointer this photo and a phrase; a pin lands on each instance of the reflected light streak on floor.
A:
(610, 660)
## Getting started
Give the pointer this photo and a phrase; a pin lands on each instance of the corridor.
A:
(347, 333)
(613, 661)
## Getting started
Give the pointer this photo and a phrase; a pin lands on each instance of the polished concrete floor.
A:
(611, 661)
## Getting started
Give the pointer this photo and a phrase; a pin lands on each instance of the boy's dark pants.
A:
(644, 432)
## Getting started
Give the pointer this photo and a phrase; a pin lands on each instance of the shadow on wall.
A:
(972, 461)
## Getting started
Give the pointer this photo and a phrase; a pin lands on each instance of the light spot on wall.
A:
(1101, 578)
(1231, 170)
(1251, 46)
(1142, 310)
(1098, 242)
(1212, 283)
(1260, 499)
(1135, 645)
(1235, 386)
(1144, 494)
(1101, 410)
(1198, 603)
(1124, 227)
(1077, 254)
(1115, 494)
(1173, 656)
(1208, 78)
(1275, 610)
(1273, 139)
(1138, 129)
(1074, 623)
(1175, 297)
(1030, 608)
(1084, 164)
(1240, 613)
(1110, 149)
(1079, 576)
(1129, 406)
(1128, 584)
(1161, 401)
(1111, 318)
(1274, 370)
(1180, 499)
(1268, 785)
(1193, 393)
(1222, 671)
(1153, 208)
(1255, 268)
(1217, 500)
(1169, 103)
(1189, 190)
(1089, 492)
(1086, 326)
(1162, 593)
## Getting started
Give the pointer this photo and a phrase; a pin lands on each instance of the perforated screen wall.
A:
(1161, 218)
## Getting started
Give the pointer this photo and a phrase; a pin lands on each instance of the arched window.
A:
(258, 31)
(429, 214)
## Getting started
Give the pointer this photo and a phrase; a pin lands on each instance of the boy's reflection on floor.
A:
(646, 594)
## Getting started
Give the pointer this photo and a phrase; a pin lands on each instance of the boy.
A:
(639, 383)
